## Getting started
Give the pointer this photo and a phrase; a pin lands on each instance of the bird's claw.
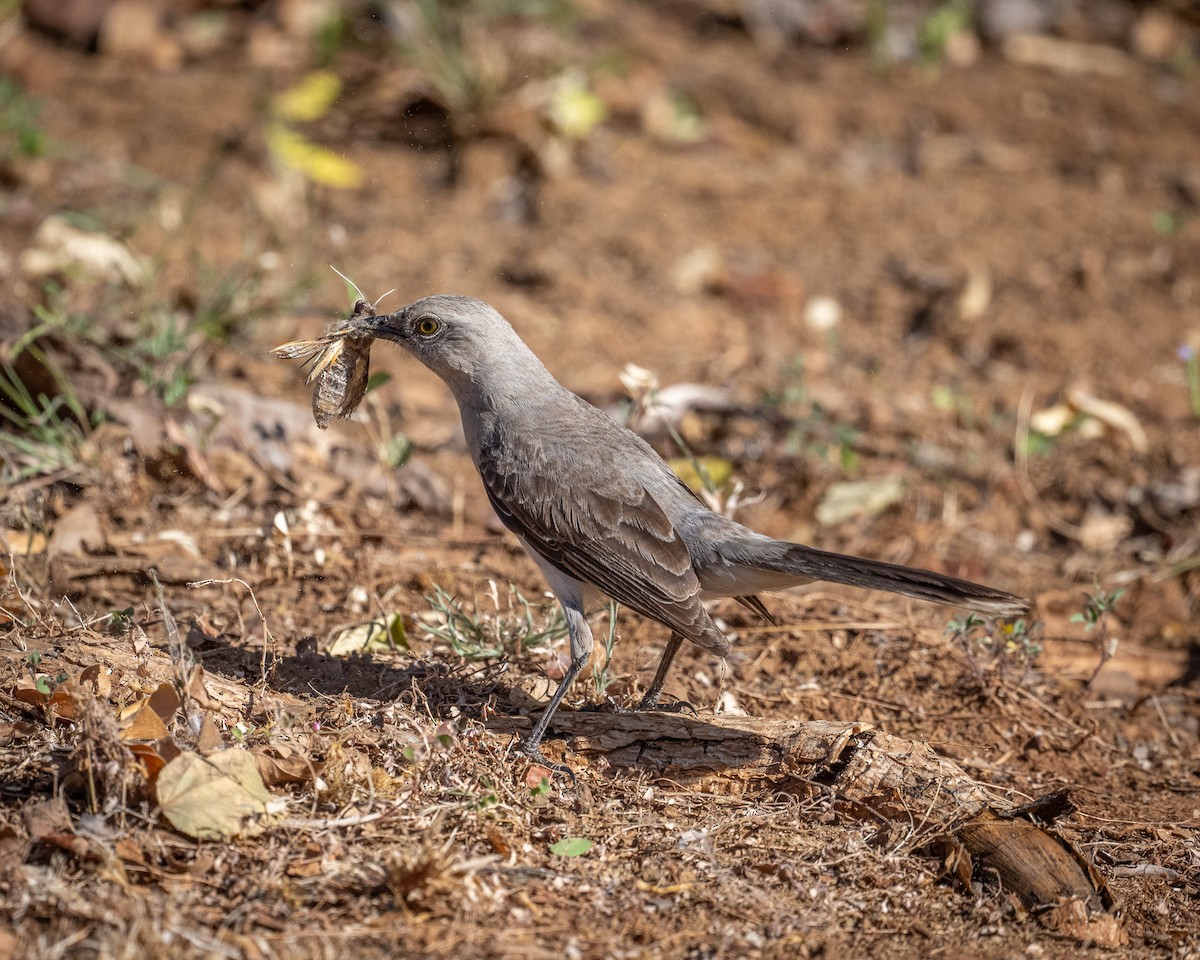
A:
(534, 752)
(678, 706)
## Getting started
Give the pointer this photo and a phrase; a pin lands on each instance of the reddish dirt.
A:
(1064, 205)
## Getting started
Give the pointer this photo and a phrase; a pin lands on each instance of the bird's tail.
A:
(807, 563)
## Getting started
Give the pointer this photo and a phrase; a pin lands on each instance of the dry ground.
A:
(1000, 238)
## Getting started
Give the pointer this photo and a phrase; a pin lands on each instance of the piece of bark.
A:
(871, 775)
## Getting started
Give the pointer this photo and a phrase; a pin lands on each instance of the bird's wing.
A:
(600, 525)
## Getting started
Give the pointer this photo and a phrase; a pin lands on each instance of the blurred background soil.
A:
(915, 280)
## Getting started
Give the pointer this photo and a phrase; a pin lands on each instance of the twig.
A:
(267, 635)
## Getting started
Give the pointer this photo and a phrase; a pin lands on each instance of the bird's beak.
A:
(387, 327)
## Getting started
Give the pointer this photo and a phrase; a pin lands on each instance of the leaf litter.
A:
(412, 835)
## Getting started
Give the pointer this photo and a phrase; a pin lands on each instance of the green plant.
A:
(163, 356)
(947, 19)
(1165, 223)
(812, 434)
(996, 645)
(44, 683)
(1097, 608)
(118, 621)
(48, 432)
(452, 43)
(509, 627)
(600, 671)
(20, 133)
(571, 847)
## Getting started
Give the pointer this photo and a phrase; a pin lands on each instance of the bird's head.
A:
(464, 341)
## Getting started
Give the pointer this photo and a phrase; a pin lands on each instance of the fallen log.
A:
(871, 775)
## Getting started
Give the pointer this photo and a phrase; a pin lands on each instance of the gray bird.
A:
(603, 515)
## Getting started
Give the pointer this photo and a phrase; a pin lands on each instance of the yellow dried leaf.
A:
(859, 498)
(376, 636)
(214, 798)
(315, 162)
(310, 99)
(717, 469)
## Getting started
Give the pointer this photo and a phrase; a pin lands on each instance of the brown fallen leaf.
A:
(143, 724)
(14, 848)
(165, 702)
(148, 718)
(64, 701)
(276, 769)
(14, 731)
(78, 531)
(209, 738)
(196, 689)
(98, 679)
(44, 817)
(215, 798)
(153, 756)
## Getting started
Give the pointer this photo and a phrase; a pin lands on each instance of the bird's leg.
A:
(650, 700)
(581, 651)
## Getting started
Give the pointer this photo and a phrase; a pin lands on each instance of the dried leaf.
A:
(14, 848)
(78, 531)
(59, 246)
(1100, 532)
(152, 756)
(98, 679)
(702, 471)
(1112, 415)
(45, 817)
(144, 724)
(64, 701)
(148, 718)
(23, 543)
(217, 797)
(571, 847)
(376, 636)
(845, 501)
(165, 701)
(276, 769)
(14, 731)
(196, 690)
(209, 739)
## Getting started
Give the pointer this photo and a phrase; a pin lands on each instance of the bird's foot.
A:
(649, 702)
(533, 750)
(607, 705)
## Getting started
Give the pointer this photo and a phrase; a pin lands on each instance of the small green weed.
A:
(1097, 608)
(44, 683)
(601, 675)
(509, 627)
(947, 19)
(813, 434)
(21, 135)
(47, 434)
(996, 646)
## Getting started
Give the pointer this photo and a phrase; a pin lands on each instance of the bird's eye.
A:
(428, 326)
